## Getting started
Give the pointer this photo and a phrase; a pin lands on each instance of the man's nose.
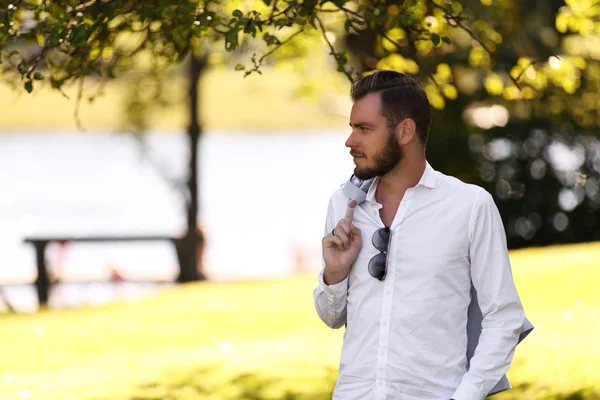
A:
(351, 141)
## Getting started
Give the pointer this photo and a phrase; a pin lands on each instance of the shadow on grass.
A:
(583, 394)
(535, 392)
(214, 383)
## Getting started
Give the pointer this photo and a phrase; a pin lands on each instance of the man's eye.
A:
(364, 128)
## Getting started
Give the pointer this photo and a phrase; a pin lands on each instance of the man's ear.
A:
(406, 131)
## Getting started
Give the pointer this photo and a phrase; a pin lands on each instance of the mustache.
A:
(355, 153)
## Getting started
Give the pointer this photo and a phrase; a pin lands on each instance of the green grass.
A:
(263, 340)
(277, 101)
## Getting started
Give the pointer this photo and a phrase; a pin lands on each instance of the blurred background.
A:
(165, 170)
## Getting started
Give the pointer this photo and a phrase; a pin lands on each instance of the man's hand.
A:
(341, 247)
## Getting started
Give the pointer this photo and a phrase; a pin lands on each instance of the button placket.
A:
(384, 327)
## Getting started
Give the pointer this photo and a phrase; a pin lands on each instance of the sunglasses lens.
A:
(377, 266)
(381, 238)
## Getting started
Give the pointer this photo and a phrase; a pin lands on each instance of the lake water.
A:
(263, 205)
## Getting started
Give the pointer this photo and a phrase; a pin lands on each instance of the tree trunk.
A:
(188, 246)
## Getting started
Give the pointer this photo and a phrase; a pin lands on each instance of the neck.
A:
(405, 175)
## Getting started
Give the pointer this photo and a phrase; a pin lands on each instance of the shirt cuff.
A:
(468, 391)
(335, 290)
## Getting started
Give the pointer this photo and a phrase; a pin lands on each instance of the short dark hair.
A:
(401, 97)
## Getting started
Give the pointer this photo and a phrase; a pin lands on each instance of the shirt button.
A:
(382, 353)
(385, 324)
(388, 292)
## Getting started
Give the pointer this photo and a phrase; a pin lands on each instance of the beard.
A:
(385, 160)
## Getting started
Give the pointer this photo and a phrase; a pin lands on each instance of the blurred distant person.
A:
(399, 268)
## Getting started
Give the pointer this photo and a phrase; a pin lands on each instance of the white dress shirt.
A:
(406, 336)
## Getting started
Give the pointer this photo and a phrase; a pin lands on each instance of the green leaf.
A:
(412, 20)
(23, 67)
(238, 13)
(407, 19)
(197, 31)
(270, 39)
(348, 25)
(267, 2)
(446, 39)
(38, 76)
(341, 58)
(411, 3)
(231, 40)
(29, 86)
(240, 67)
(435, 38)
(250, 28)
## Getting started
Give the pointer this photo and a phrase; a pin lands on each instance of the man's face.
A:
(372, 145)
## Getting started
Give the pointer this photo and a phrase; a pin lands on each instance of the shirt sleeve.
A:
(499, 301)
(330, 300)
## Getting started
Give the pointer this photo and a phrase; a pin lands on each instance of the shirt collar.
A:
(428, 179)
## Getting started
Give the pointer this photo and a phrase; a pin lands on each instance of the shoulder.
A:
(338, 200)
(465, 192)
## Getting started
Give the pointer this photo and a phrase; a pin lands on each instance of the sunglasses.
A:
(378, 264)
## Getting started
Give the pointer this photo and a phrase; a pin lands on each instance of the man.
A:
(399, 269)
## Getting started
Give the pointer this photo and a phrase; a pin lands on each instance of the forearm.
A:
(330, 302)
(494, 352)
(496, 297)
(333, 278)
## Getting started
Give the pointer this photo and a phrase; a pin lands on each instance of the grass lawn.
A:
(276, 101)
(263, 340)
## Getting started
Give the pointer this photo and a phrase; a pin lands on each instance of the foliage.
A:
(232, 341)
(545, 178)
(487, 65)
(74, 40)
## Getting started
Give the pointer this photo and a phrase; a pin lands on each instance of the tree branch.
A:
(258, 63)
(333, 52)
(518, 77)
(78, 104)
(354, 13)
(84, 6)
(458, 21)
(273, 16)
(429, 74)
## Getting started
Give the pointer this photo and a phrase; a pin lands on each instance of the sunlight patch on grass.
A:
(263, 340)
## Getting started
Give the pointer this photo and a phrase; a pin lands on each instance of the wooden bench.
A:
(42, 282)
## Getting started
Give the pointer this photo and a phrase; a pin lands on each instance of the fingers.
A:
(354, 230)
(350, 211)
(343, 234)
(347, 220)
(333, 240)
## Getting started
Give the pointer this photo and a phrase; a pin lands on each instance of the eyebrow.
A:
(361, 124)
